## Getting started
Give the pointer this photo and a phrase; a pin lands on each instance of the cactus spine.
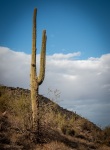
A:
(35, 80)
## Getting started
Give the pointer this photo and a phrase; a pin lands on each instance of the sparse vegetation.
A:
(107, 136)
(59, 128)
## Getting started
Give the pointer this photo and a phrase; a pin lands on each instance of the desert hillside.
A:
(60, 129)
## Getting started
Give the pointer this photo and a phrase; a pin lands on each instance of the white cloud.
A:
(14, 68)
(64, 56)
(84, 84)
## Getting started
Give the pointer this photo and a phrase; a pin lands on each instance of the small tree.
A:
(35, 80)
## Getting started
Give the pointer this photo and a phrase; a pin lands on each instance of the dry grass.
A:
(53, 146)
(104, 147)
(59, 128)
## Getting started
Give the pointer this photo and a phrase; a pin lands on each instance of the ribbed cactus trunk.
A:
(35, 80)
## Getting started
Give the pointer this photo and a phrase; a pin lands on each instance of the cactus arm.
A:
(42, 59)
(34, 37)
(33, 57)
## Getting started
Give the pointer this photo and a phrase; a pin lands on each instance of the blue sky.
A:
(78, 51)
(72, 25)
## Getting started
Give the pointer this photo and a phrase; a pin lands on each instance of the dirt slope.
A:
(59, 128)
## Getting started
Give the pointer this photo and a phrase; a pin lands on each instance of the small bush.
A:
(107, 131)
(68, 131)
(4, 102)
(107, 135)
(86, 126)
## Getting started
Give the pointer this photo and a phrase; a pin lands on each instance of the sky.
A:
(77, 52)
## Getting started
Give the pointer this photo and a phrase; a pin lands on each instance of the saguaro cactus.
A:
(35, 80)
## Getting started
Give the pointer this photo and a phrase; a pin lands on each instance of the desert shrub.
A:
(19, 105)
(4, 102)
(68, 130)
(60, 120)
(86, 126)
(50, 115)
(107, 136)
(21, 108)
(107, 131)
(54, 95)
(52, 118)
